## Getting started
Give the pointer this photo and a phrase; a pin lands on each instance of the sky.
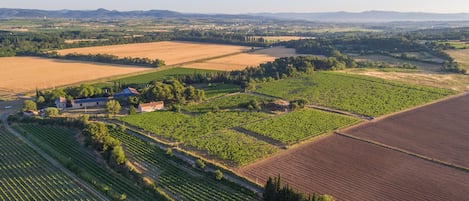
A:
(246, 6)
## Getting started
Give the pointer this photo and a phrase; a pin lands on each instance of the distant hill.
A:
(368, 16)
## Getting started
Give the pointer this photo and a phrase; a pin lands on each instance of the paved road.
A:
(4, 115)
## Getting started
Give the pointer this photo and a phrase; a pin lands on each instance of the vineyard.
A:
(183, 182)
(299, 125)
(25, 175)
(228, 102)
(62, 144)
(182, 127)
(234, 146)
(358, 94)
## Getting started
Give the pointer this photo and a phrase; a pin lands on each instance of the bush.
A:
(200, 164)
(218, 175)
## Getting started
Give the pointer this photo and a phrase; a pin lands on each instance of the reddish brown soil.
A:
(439, 131)
(349, 169)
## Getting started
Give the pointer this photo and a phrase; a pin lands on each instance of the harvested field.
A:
(172, 52)
(438, 131)
(282, 38)
(455, 82)
(461, 56)
(353, 170)
(397, 62)
(243, 60)
(20, 74)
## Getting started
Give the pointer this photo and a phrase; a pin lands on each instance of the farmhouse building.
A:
(150, 107)
(61, 103)
(127, 92)
(89, 102)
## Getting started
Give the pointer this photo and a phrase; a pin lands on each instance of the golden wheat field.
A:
(243, 60)
(21, 74)
(172, 52)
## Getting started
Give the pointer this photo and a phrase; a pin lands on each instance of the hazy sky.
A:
(246, 6)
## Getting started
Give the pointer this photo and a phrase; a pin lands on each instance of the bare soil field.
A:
(20, 74)
(455, 82)
(243, 60)
(349, 169)
(439, 131)
(396, 62)
(461, 56)
(172, 52)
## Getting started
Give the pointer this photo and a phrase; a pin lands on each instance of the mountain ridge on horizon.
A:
(339, 16)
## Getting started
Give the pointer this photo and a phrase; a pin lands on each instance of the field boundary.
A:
(419, 156)
(383, 117)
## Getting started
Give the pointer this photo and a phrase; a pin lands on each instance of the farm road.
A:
(81, 183)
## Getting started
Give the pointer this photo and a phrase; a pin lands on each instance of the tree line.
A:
(107, 58)
(274, 190)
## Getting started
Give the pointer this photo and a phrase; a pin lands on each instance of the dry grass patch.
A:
(243, 60)
(398, 62)
(21, 74)
(461, 56)
(172, 52)
(448, 81)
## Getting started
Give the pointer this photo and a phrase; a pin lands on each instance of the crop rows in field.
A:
(183, 182)
(234, 146)
(182, 127)
(195, 131)
(25, 175)
(227, 102)
(62, 144)
(161, 75)
(299, 125)
(355, 93)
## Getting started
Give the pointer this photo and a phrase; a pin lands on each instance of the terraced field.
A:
(25, 175)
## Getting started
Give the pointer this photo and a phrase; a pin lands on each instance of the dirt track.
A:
(439, 131)
(349, 169)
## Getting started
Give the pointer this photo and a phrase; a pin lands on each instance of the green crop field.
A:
(182, 127)
(228, 102)
(234, 146)
(296, 126)
(25, 175)
(62, 144)
(184, 182)
(354, 93)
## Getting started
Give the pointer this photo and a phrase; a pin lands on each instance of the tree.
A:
(113, 107)
(29, 105)
(218, 175)
(51, 112)
(117, 154)
(40, 100)
(132, 110)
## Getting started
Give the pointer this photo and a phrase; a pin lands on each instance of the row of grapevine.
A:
(298, 125)
(184, 182)
(354, 93)
(62, 144)
(25, 175)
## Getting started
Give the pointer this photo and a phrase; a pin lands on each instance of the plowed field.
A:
(439, 131)
(349, 169)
